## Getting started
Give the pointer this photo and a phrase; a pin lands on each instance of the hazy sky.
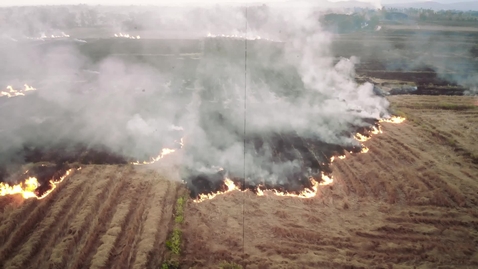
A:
(120, 2)
(145, 2)
(183, 2)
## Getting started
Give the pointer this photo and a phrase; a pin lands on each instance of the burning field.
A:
(257, 146)
(410, 201)
(102, 216)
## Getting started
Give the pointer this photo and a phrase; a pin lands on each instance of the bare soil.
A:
(411, 201)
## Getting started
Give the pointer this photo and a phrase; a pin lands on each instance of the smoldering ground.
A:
(270, 111)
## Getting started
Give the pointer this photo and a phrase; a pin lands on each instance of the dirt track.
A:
(410, 201)
(101, 217)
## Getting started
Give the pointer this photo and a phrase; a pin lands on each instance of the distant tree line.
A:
(369, 19)
(430, 15)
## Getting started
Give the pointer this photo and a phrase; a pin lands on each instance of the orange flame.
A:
(127, 36)
(55, 183)
(364, 149)
(393, 119)
(163, 153)
(376, 130)
(10, 92)
(230, 187)
(361, 137)
(307, 193)
(238, 36)
(28, 187)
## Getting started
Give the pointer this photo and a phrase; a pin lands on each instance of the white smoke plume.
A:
(237, 91)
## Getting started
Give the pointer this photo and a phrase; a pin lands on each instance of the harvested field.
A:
(410, 201)
(103, 216)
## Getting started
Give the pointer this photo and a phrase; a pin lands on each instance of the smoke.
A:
(375, 3)
(450, 55)
(273, 92)
(236, 105)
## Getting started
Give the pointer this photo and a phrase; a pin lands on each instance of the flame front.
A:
(55, 183)
(393, 119)
(313, 190)
(361, 137)
(239, 36)
(28, 187)
(43, 36)
(230, 187)
(260, 191)
(163, 153)
(121, 35)
(10, 92)
(376, 130)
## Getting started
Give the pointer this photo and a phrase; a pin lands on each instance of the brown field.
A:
(101, 217)
(410, 201)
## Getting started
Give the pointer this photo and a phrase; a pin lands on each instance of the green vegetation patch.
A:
(173, 244)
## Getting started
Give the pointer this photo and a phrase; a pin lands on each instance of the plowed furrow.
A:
(15, 219)
(65, 250)
(361, 178)
(433, 221)
(9, 206)
(467, 190)
(151, 226)
(99, 224)
(42, 211)
(389, 169)
(392, 187)
(453, 193)
(121, 251)
(42, 240)
(113, 233)
(305, 246)
(20, 214)
(345, 177)
(391, 237)
(304, 236)
(354, 178)
(366, 256)
(402, 132)
(396, 151)
(342, 184)
(106, 229)
(162, 231)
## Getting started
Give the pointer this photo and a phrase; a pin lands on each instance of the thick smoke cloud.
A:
(292, 88)
(238, 98)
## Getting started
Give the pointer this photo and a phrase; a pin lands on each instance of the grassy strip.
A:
(173, 244)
